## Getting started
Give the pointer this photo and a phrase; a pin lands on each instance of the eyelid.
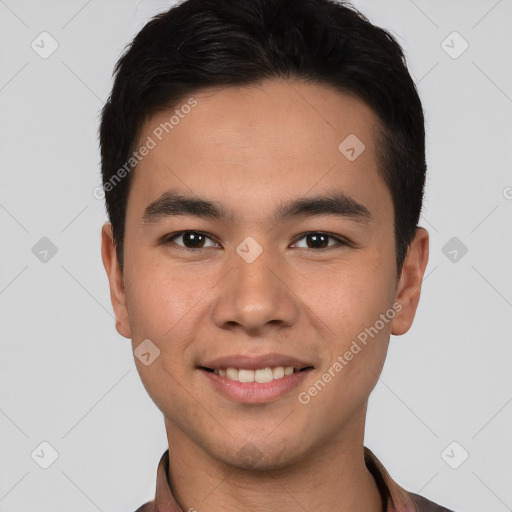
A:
(340, 239)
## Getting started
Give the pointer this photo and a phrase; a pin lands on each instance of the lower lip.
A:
(255, 392)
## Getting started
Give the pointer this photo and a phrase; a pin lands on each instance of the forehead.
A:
(271, 141)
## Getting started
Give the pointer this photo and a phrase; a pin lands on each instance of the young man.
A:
(264, 164)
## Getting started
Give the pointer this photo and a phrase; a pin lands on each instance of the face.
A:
(254, 241)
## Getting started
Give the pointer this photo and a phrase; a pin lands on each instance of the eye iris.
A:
(193, 240)
(318, 241)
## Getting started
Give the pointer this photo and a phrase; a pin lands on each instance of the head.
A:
(263, 121)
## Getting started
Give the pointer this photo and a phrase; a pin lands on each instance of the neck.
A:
(333, 477)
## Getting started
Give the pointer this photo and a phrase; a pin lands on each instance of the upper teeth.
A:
(261, 375)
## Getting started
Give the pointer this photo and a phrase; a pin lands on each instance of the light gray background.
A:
(67, 377)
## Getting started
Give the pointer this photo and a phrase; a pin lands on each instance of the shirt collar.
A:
(397, 499)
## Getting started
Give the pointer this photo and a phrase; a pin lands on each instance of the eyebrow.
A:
(172, 204)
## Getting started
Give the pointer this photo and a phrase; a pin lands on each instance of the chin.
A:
(262, 454)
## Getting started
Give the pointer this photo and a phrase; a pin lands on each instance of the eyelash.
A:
(341, 241)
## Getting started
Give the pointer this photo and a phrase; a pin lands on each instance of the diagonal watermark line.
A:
(484, 218)
(14, 423)
(14, 218)
(229, 474)
(485, 15)
(179, 178)
(76, 14)
(81, 491)
(309, 190)
(424, 14)
(88, 292)
(430, 273)
(285, 490)
(380, 380)
(506, 505)
(427, 73)
(13, 13)
(302, 302)
(14, 485)
(311, 106)
(74, 218)
(102, 101)
(13, 279)
(216, 487)
(190, 189)
(198, 403)
(280, 423)
(104, 395)
(198, 301)
(14, 76)
(501, 409)
(423, 487)
(489, 283)
(430, 224)
(492, 81)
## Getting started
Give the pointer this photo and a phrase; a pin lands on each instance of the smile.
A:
(255, 386)
(260, 375)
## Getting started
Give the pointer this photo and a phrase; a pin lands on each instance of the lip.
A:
(249, 362)
(255, 392)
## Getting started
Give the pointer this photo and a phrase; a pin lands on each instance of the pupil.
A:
(194, 239)
(318, 241)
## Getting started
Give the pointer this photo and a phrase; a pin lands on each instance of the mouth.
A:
(259, 375)
(255, 379)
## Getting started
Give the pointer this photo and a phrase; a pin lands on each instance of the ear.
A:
(409, 284)
(115, 278)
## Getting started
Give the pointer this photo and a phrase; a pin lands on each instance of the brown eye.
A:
(191, 240)
(319, 241)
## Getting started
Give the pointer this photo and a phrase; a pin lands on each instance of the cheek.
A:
(356, 342)
(355, 304)
(163, 306)
(161, 298)
(351, 296)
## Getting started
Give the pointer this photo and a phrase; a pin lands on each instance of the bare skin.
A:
(250, 150)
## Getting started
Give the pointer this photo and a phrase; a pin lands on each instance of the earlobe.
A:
(409, 284)
(115, 278)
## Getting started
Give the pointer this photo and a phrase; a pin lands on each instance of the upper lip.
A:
(254, 362)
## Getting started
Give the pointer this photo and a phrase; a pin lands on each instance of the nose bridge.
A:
(254, 293)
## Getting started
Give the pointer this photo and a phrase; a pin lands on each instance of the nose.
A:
(256, 296)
